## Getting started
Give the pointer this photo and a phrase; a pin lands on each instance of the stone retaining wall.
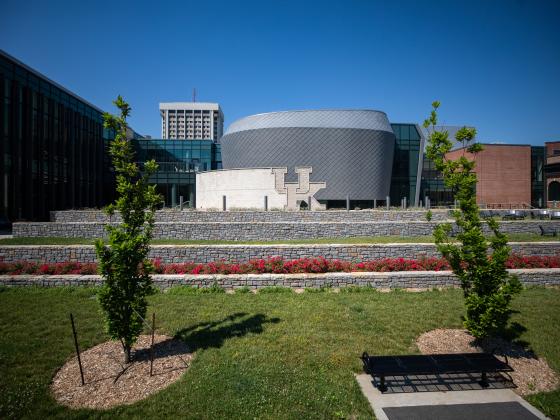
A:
(262, 231)
(249, 216)
(394, 280)
(167, 216)
(240, 253)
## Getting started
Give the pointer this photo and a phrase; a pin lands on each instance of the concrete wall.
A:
(243, 188)
(401, 280)
(262, 231)
(241, 253)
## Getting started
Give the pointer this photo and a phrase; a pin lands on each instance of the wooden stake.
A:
(152, 345)
(77, 348)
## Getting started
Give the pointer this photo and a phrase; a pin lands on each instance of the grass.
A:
(46, 241)
(268, 355)
(514, 237)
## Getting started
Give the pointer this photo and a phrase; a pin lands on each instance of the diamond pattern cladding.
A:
(352, 161)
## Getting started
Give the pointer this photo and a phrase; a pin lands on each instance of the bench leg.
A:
(484, 381)
(382, 387)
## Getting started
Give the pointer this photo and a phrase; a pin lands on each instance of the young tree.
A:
(487, 286)
(123, 263)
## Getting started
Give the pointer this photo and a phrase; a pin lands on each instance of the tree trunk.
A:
(127, 355)
(127, 350)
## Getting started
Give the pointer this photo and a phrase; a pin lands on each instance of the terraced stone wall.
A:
(263, 231)
(249, 216)
(170, 216)
(240, 253)
(394, 280)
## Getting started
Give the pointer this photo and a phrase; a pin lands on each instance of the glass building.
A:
(409, 146)
(433, 187)
(178, 162)
(52, 146)
(538, 162)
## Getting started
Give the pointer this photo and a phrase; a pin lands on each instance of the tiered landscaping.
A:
(273, 353)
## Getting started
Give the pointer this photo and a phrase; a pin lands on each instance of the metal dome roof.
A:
(332, 118)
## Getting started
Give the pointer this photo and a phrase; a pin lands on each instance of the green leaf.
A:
(124, 264)
(487, 286)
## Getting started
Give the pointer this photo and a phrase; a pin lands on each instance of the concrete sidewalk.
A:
(458, 404)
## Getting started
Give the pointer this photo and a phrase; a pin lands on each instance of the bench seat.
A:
(433, 364)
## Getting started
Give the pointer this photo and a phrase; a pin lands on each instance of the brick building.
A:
(509, 175)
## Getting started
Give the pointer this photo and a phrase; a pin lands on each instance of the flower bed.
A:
(277, 266)
(26, 267)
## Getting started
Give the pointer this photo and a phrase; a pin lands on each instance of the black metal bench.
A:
(434, 364)
(548, 230)
(514, 215)
(540, 214)
(486, 214)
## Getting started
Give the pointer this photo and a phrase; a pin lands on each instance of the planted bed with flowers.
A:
(277, 266)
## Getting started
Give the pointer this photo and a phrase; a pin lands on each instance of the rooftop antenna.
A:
(194, 95)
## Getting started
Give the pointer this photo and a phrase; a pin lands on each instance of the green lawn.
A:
(515, 237)
(266, 355)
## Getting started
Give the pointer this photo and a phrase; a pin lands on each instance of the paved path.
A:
(449, 405)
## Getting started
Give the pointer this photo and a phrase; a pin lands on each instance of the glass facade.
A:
(538, 161)
(433, 187)
(178, 162)
(405, 163)
(52, 146)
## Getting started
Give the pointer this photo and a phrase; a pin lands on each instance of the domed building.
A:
(350, 151)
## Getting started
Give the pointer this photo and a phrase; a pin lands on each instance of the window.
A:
(554, 191)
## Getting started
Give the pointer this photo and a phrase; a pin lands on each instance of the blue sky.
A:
(493, 64)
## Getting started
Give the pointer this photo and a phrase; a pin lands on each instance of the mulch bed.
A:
(530, 373)
(106, 387)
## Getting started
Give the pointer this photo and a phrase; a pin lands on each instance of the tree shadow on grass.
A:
(514, 331)
(212, 324)
(167, 348)
(213, 334)
(508, 342)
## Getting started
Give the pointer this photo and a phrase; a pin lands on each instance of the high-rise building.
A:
(191, 120)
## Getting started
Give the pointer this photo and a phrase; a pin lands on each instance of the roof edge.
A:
(42, 76)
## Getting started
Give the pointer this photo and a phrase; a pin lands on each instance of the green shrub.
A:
(275, 289)
(124, 263)
(322, 289)
(212, 289)
(487, 287)
(429, 215)
(359, 289)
